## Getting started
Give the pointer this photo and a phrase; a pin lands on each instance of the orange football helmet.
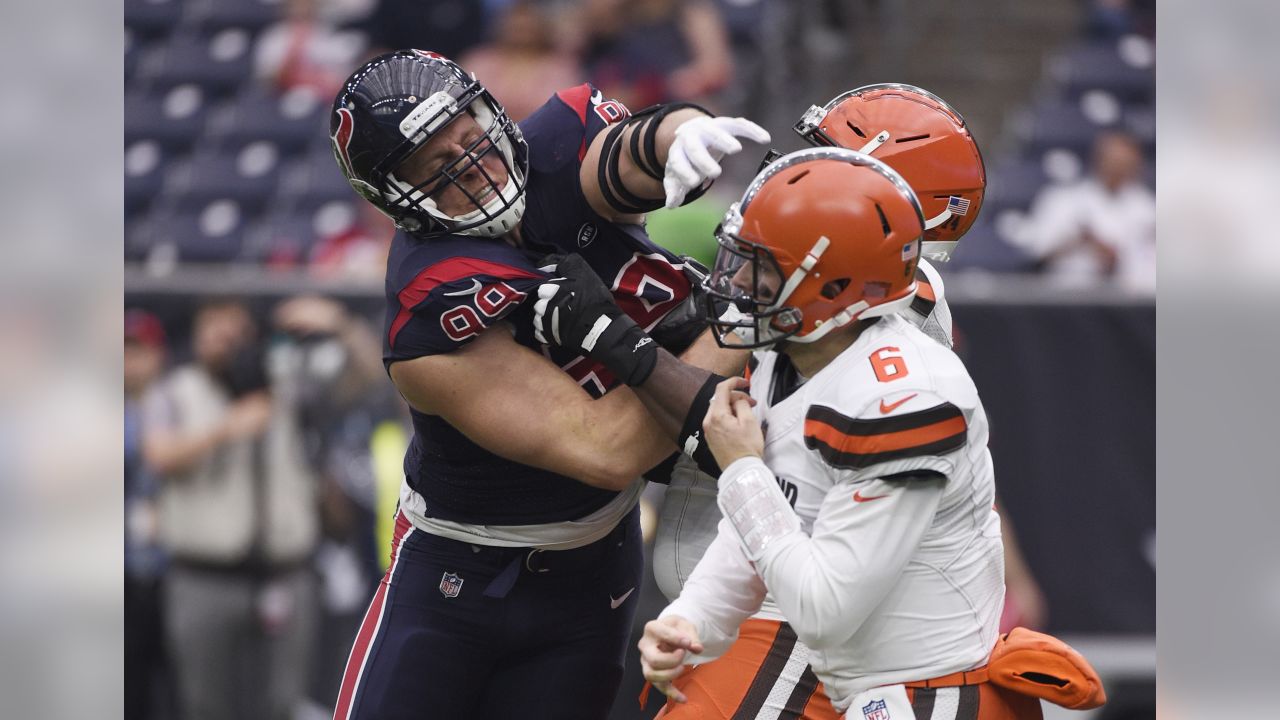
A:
(821, 237)
(922, 137)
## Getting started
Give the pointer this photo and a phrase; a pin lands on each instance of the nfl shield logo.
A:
(875, 710)
(451, 585)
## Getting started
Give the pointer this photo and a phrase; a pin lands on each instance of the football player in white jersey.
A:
(867, 517)
(929, 144)
(767, 674)
(923, 138)
(860, 500)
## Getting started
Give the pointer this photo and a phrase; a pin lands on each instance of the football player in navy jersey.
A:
(517, 552)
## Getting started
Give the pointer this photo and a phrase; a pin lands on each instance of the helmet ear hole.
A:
(832, 290)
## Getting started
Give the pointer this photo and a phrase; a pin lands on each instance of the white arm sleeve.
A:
(723, 591)
(828, 584)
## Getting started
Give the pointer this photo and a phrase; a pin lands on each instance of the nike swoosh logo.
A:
(859, 497)
(886, 409)
(615, 603)
(475, 288)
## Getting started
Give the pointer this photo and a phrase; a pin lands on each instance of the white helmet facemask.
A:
(502, 206)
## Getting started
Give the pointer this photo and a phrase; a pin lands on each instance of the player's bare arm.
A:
(513, 402)
(578, 311)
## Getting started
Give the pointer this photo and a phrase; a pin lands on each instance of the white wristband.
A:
(753, 503)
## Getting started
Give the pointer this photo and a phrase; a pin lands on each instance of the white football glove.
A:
(699, 145)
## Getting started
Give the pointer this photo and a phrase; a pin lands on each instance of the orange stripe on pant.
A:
(717, 690)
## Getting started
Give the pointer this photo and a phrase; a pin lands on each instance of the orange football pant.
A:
(762, 675)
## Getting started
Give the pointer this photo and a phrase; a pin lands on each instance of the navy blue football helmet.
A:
(392, 106)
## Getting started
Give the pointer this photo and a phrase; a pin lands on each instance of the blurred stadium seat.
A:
(152, 18)
(219, 64)
(248, 177)
(289, 122)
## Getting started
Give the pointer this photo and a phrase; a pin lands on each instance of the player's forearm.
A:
(723, 591)
(826, 585)
(618, 440)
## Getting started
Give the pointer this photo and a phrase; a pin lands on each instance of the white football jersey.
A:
(887, 579)
(687, 521)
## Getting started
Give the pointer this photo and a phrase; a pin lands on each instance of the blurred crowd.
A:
(283, 206)
(251, 499)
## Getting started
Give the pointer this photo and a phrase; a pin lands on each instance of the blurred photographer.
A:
(238, 511)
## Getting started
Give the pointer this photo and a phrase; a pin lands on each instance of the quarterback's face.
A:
(461, 150)
(759, 281)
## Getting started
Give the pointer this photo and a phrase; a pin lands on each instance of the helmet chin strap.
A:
(859, 310)
(810, 259)
(938, 219)
(797, 276)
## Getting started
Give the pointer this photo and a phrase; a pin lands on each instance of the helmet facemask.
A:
(776, 277)
(496, 206)
(748, 281)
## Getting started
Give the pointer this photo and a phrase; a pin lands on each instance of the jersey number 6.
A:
(888, 367)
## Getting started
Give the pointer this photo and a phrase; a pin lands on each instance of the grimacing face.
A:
(447, 148)
(767, 283)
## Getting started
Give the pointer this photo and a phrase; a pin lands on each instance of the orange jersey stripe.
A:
(884, 442)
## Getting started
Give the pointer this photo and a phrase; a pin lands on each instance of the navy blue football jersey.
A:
(647, 280)
(444, 292)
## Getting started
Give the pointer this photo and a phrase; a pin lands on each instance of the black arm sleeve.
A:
(690, 440)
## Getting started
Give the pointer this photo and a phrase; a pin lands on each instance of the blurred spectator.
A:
(354, 241)
(650, 51)
(144, 560)
(239, 517)
(522, 64)
(448, 27)
(313, 46)
(1100, 227)
(343, 396)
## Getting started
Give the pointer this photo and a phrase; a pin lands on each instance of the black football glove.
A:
(576, 311)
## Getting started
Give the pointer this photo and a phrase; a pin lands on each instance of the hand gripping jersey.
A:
(442, 293)
(884, 579)
(689, 515)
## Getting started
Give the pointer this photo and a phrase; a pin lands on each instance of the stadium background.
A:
(230, 190)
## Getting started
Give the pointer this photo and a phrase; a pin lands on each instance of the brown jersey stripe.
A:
(800, 695)
(882, 425)
(770, 670)
(886, 442)
(968, 707)
(838, 458)
(922, 702)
